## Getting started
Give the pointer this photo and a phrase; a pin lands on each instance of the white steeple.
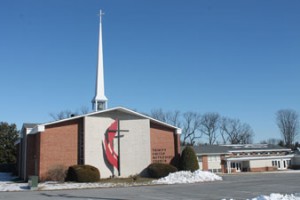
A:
(100, 100)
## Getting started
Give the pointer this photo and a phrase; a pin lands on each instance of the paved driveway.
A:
(241, 186)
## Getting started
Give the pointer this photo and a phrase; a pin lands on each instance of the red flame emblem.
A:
(111, 155)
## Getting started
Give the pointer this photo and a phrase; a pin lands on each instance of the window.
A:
(236, 165)
(214, 158)
(232, 165)
(199, 158)
(215, 170)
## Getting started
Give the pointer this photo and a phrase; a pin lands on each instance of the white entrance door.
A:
(237, 166)
(281, 164)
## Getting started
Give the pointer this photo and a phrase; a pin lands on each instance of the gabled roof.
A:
(120, 109)
(26, 128)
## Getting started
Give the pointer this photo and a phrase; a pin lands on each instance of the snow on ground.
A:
(179, 177)
(276, 196)
(6, 184)
(188, 177)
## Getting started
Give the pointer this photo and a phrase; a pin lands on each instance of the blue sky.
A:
(238, 58)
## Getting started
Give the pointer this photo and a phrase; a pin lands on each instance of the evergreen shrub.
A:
(83, 173)
(188, 160)
(159, 170)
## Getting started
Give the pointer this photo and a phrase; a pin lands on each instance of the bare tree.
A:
(191, 128)
(224, 126)
(189, 122)
(61, 115)
(173, 118)
(159, 114)
(84, 110)
(68, 113)
(246, 134)
(170, 117)
(288, 123)
(272, 141)
(210, 125)
(235, 132)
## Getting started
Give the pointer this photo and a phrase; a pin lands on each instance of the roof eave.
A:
(178, 130)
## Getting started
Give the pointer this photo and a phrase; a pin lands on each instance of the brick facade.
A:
(263, 169)
(33, 154)
(165, 145)
(223, 169)
(57, 145)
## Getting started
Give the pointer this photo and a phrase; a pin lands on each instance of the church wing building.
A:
(118, 141)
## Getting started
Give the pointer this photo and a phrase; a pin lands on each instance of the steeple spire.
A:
(100, 100)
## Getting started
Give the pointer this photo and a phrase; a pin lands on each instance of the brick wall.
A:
(59, 145)
(223, 163)
(165, 145)
(33, 155)
(262, 169)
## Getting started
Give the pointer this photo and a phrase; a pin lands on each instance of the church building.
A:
(118, 141)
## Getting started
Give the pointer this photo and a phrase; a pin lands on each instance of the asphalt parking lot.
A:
(240, 186)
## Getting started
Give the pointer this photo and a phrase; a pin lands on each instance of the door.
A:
(281, 164)
(236, 166)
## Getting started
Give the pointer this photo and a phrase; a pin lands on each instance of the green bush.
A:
(83, 173)
(159, 170)
(188, 160)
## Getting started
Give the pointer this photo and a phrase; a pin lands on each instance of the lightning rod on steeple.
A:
(100, 15)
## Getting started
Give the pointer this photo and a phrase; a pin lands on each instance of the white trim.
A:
(178, 131)
(258, 150)
(37, 129)
(28, 130)
(208, 154)
(259, 158)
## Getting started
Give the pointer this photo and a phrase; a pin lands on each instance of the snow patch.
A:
(178, 177)
(188, 177)
(276, 196)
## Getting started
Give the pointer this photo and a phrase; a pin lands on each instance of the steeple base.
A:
(99, 105)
